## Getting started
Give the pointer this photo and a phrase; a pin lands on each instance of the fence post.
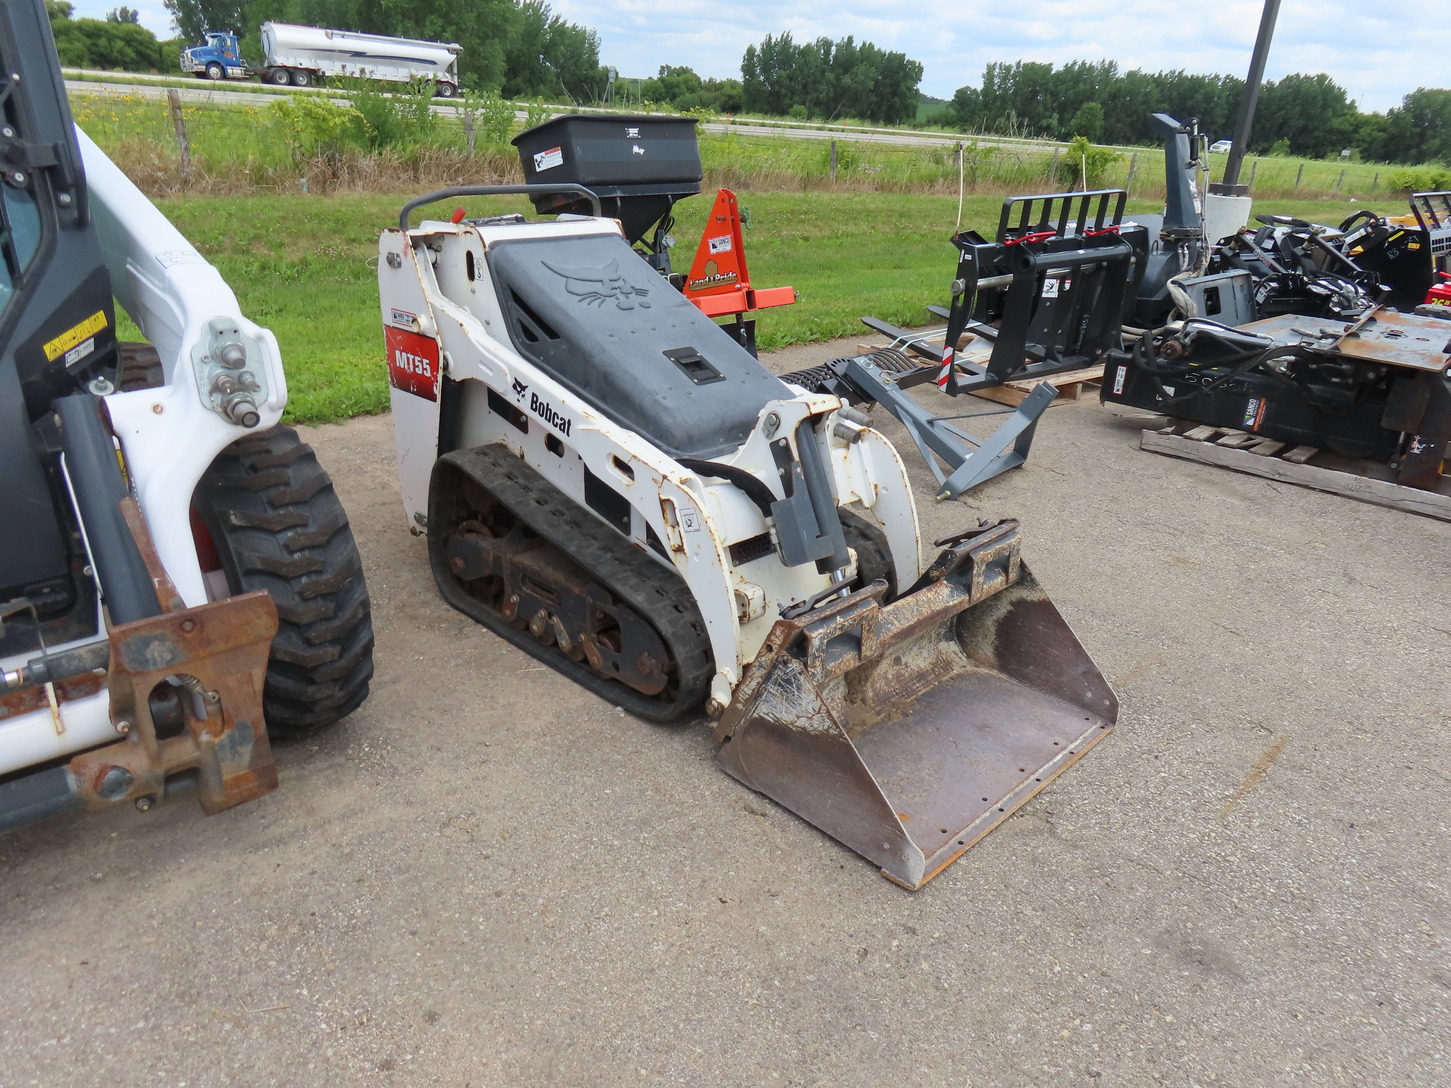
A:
(833, 162)
(1053, 169)
(178, 122)
(1253, 166)
(1340, 181)
(1375, 182)
(1299, 176)
(1133, 165)
(469, 132)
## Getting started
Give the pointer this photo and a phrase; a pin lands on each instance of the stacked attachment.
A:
(1047, 294)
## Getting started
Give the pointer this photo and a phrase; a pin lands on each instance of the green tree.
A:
(723, 95)
(1088, 122)
(829, 79)
(672, 84)
(1023, 97)
(114, 44)
(194, 18)
(123, 15)
(1306, 110)
(1419, 129)
(768, 82)
(1019, 95)
(1091, 163)
(964, 110)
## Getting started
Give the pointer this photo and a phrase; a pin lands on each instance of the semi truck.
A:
(304, 55)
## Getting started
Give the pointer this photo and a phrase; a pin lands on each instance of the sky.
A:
(1378, 53)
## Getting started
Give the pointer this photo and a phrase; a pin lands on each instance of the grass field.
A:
(304, 267)
(239, 148)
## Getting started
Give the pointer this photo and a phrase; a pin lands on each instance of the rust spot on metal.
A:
(165, 591)
(224, 646)
(34, 698)
(1413, 341)
(956, 703)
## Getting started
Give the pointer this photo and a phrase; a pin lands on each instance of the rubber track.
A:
(655, 593)
(279, 526)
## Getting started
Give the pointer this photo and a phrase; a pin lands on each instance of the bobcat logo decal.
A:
(597, 286)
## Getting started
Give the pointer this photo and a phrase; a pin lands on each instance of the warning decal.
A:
(74, 337)
(548, 160)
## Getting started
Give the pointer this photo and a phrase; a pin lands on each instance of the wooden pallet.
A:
(1304, 466)
(1070, 383)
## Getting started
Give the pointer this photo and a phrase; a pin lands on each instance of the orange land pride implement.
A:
(718, 282)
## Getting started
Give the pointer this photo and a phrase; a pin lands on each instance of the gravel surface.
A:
(487, 877)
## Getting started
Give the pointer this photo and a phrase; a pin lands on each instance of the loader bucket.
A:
(909, 730)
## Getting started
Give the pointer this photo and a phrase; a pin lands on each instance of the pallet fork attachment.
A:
(1046, 293)
(959, 460)
(909, 730)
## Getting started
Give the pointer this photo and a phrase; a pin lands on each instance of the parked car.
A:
(1221, 147)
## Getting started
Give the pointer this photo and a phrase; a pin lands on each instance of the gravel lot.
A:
(487, 877)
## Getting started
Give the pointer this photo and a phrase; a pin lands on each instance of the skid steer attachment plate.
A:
(909, 730)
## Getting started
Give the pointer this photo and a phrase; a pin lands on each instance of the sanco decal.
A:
(412, 362)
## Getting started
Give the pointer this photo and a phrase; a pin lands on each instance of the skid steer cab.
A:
(612, 483)
(177, 578)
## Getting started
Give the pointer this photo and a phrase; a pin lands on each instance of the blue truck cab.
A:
(218, 58)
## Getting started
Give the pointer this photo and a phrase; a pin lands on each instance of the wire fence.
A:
(168, 145)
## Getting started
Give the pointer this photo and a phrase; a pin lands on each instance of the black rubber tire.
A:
(446, 90)
(873, 553)
(279, 77)
(301, 77)
(278, 526)
(215, 71)
(138, 367)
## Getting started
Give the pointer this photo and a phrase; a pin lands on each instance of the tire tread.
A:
(279, 527)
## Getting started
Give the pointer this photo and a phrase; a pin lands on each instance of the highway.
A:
(155, 86)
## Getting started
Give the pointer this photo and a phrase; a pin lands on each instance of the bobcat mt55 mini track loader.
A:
(177, 577)
(611, 482)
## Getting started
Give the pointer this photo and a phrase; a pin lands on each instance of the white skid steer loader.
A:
(178, 582)
(614, 484)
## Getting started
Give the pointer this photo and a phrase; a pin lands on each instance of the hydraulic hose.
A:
(753, 488)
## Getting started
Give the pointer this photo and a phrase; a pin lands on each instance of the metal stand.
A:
(968, 460)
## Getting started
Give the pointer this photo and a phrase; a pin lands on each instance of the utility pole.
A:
(1230, 185)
